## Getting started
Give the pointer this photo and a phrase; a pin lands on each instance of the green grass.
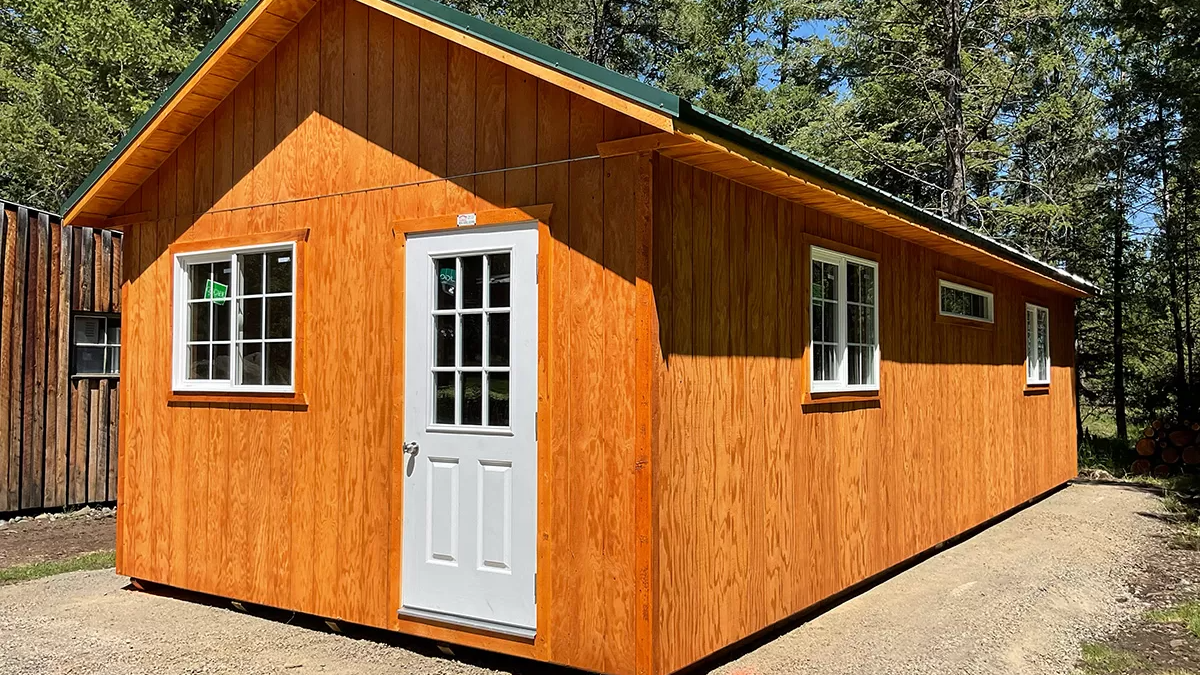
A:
(1187, 614)
(1102, 660)
(88, 561)
(1187, 537)
(1100, 448)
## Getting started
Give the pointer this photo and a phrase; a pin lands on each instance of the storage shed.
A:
(435, 329)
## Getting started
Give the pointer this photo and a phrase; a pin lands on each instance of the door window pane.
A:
(499, 277)
(443, 395)
(498, 339)
(472, 282)
(471, 338)
(447, 285)
(472, 398)
(444, 341)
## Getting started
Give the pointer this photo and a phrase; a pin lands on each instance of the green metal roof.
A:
(631, 89)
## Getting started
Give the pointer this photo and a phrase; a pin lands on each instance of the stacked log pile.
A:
(1168, 448)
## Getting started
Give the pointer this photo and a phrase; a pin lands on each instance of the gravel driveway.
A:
(1017, 598)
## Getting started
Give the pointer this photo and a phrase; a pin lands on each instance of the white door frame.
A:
(469, 535)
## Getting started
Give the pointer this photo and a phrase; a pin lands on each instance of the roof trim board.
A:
(638, 99)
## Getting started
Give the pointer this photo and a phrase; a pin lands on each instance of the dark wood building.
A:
(436, 329)
(59, 351)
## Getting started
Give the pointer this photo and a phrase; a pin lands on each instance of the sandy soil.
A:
(1017, 598)
(33, 540)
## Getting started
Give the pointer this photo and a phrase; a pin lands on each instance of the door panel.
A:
(470, 489)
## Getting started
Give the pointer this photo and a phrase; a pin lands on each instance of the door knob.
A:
(411, 448)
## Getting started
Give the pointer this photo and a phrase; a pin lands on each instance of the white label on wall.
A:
(465, 219)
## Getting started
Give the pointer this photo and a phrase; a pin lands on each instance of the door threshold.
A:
(452, 620)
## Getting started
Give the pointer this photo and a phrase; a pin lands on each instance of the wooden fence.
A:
(58, 429)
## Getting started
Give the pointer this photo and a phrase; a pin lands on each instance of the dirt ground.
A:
(34, 540)
(1019, 598)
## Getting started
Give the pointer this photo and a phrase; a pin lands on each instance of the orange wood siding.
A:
(688, 497)
(354, 121)
(765, 505)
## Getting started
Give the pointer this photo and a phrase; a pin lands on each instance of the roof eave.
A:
(723, 128)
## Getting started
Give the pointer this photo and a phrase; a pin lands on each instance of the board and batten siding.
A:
(769, 504)
(58, 433)
(353, 122)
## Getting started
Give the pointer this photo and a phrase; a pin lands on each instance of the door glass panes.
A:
(470, 367)
(208, 311)
(264, 309)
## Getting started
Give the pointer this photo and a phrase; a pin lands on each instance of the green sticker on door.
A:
(215, 291)
(446, 277)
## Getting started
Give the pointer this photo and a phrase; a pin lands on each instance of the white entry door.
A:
(470, 390)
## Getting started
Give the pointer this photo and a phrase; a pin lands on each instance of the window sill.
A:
(854, 399)
(1037, 389)
(239, 399)
(96, 376)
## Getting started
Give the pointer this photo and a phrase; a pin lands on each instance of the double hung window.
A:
(845, 322)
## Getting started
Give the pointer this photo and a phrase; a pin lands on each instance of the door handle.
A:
(411, 448)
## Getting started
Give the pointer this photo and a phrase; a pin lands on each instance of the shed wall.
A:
(766, 505)
(354, 121)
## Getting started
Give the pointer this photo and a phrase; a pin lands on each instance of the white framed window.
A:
(844, 309)
(964, 302)
(235, 319)
(1037, 344)
(96, 339)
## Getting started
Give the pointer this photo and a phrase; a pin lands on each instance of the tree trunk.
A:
(954, 128)
(1118, 285)
(1171, 237)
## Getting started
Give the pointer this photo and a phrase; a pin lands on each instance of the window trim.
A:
(220, 391)
(1031, 382)
(820, 391)
(988, 295)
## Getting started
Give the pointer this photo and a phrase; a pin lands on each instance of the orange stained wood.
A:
(691, 490)
(258, 36)
(280, 155)
(809, 499)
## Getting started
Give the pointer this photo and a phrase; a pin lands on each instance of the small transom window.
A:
(97, 344)
(845, 331)
(235, 315)
(1037, 344)
(964, 302)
